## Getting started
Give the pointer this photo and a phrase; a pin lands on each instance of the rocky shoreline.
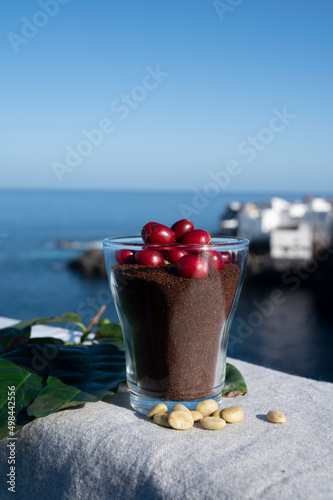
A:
(90, 263)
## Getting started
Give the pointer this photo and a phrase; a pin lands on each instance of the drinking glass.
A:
(175, 329)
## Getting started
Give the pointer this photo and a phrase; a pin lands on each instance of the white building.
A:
(320, 217)
(290, 229)
(292, 243)
(257, 221)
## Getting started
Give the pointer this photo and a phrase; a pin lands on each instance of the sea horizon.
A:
(269, 192)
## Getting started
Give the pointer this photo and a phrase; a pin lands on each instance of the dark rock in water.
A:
(90, 263)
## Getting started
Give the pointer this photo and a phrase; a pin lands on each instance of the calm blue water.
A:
(36, 282)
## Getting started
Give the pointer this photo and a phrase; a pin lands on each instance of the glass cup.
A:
(175, 329)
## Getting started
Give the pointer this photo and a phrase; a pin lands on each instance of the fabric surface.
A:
(107, 451)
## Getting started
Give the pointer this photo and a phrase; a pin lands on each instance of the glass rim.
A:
(226, 241)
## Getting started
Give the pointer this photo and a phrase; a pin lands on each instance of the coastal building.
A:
(288, 230)
(292, 243)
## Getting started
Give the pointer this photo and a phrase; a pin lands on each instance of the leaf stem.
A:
(96, 318)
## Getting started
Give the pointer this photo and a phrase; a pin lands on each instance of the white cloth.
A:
(106, 450)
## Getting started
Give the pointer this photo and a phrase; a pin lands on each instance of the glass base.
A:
(142, 403)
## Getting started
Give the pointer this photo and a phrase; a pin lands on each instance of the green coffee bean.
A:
(213, 423)
(217, 413)
(159, 408)
(207, 407)
(233, 414)
(180, 420)
(161, 419)
(196, 415)
(276, 417)
(180, 407)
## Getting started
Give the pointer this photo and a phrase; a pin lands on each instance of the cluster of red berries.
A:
(191, 262)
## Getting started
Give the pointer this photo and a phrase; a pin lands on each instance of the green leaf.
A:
(27, 385)
(10, 337)
(54, 396)
(92, 368)
(234, 383)
(64, 318)
(109, 330)
(46, 340)
(84, 373)
(14, 336)
(118, 342)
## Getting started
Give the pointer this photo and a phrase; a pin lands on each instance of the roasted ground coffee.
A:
(176, 326)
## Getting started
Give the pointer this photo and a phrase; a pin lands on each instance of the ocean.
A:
(35, 280)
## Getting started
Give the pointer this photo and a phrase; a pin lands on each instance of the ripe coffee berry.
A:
(182, 227)
(214, 259)
(192, 266)
(174, 255)
(197, 250)
(125, 256)
(226, 256)
(145, 229)
(160, 234)
(149, 258)
(196, 237)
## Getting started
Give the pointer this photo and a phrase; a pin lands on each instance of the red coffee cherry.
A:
(125, 256)
(226, 256)
(145, 229)
(158, 248)
(196, 237)
(197, 250)
(192, 266)
(149, 258)
(182, 227)
(160, 234)
(214, 259)
(174, 255)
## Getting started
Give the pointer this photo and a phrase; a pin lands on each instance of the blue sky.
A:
(221, 81)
